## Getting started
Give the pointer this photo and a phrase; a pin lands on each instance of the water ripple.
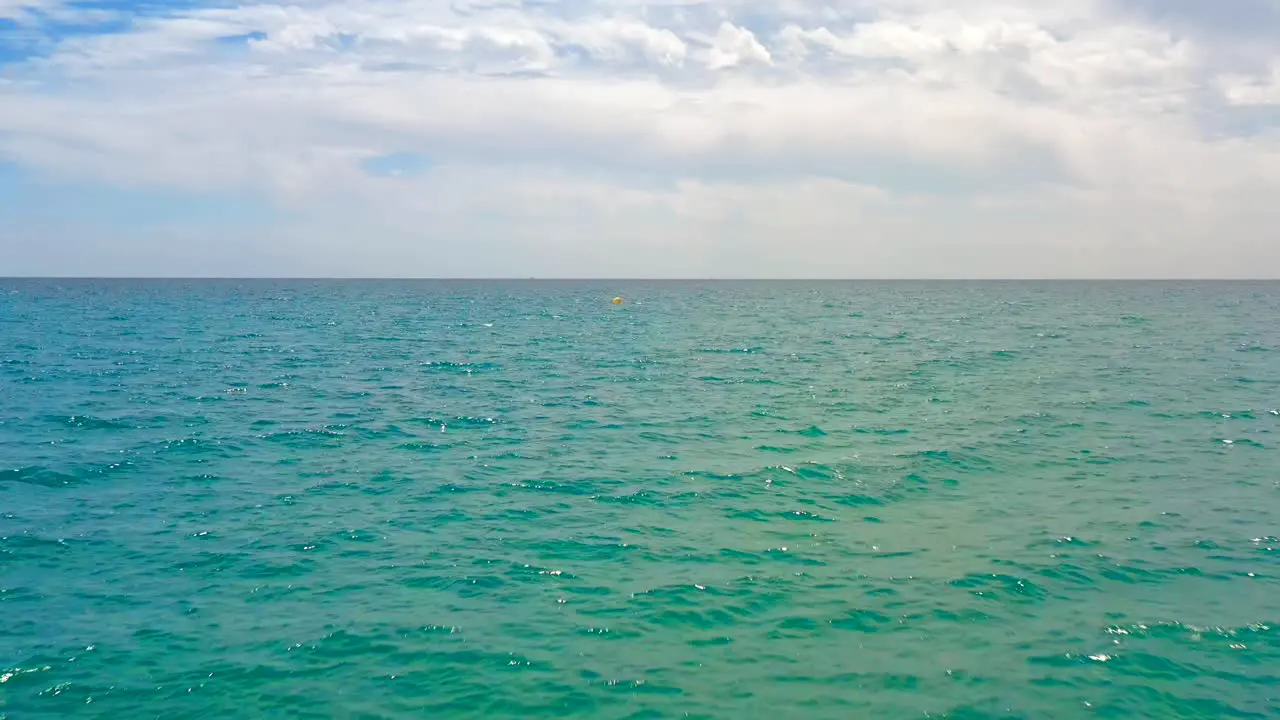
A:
(508, 500)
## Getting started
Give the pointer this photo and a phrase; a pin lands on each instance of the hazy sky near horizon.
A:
(686, 138)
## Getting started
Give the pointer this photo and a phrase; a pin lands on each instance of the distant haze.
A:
(500, 138)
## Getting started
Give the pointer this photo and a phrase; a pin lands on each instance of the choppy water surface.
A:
(516, 500)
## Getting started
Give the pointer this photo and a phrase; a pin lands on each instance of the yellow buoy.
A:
(617, 301)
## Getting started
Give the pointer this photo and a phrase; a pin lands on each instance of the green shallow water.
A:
(719, 500)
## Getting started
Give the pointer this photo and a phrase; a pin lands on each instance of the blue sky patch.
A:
(398, 164)
(241, 39)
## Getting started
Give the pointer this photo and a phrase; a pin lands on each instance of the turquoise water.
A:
(718, 500)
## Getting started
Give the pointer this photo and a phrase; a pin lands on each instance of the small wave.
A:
(37, 475)
(1186, 632)
(659, 437)
(1227, 414)
(802, 516)
(89, 422)
(455, 421)
(465, 368)
(550, 486)
(865, 621)
(1064, 542)
(1000, 587)
(24, 545)
(424, 447)
(752, 515)
(881, 431)
(579, 550)
(962, 461)
(307, 438)
(196, 446)
(640, 497)
(708, 475)
(813, 431)
(736, 381)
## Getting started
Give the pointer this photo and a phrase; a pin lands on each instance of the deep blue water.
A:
(717, 500)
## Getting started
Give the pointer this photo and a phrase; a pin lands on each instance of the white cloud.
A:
(19, 9)
(734, 46)
(890, 135)
(1255, 90)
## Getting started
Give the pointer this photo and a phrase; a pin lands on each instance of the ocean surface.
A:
(513, 500)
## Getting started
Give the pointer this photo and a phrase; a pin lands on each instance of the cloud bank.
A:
(897, 138)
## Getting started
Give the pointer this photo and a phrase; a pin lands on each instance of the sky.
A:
(613, 138)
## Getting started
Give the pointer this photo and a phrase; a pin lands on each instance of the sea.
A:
(517, 499)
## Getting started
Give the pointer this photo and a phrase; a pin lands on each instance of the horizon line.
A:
(511, 278)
